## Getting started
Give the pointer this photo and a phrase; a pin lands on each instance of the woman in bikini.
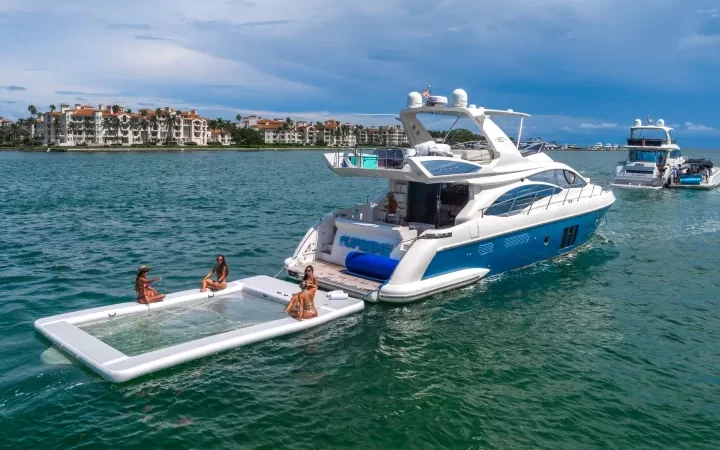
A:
(146, 294)
(302, 304)
(221, 273)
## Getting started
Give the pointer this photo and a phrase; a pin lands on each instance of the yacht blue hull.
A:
(520, 248)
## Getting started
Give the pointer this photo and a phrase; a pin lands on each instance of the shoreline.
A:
(209, 149)
(225, 149)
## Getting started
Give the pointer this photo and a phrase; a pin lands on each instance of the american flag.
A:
(426, 93)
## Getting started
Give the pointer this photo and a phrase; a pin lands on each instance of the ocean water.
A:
(614, 346)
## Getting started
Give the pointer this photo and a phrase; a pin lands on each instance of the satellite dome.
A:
(637, 123)
(660, 123)
(459, 98)
(414, 100)
(472, 107)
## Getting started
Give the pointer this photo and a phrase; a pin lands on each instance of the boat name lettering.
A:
(366, 246)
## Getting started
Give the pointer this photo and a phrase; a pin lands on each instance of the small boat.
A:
(696, 174)
(459, 214)
(652, 154)
(71, 334)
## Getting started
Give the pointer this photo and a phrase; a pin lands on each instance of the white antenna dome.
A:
(459, 98)
(637, 123)
(660, 123)
(414, 100)
(472, 107)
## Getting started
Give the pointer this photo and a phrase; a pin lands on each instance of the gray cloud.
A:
(151, 38)
(13, 88)
(127, 26)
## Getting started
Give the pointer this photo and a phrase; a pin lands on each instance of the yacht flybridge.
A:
(454, 217)
(652, 155)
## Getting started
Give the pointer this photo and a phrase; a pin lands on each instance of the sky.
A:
(585, 69)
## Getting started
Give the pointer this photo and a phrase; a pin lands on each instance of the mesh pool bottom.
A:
(141, 333)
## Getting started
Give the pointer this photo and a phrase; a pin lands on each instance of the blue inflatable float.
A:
(370, 266)
(694, 178)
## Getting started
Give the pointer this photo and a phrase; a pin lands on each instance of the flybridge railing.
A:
(526, 202)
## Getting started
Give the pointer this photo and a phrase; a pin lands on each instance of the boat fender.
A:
(337, 295)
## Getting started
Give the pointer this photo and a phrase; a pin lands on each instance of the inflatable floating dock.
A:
(73, 333)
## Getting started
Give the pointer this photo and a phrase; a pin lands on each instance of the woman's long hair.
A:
(222, 268)
(139, 285)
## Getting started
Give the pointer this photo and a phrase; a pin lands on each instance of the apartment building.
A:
(113, 125)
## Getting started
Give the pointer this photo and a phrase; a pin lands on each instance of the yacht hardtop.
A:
(459, 214)
(652, 155)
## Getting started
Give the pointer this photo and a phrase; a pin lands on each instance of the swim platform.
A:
(69, 332)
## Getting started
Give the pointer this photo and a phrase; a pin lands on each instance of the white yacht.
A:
(652, 155)
(457, 216)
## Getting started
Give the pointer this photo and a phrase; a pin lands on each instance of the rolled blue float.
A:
(691, 179)
(371, 266)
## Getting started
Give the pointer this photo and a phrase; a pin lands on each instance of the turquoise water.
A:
(615, 346)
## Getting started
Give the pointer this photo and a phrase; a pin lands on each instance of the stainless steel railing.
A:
(529, 200)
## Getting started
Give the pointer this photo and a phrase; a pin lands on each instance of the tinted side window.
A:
(519, 198)
(558, 177)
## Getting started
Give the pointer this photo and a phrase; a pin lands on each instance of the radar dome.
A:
(459, 98)
(660, 123)
(637, 123)
(414, 100)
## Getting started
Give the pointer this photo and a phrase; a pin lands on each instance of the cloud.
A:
(699, 128)
(598, 126)
(699, 40)
(713, 13)
(127, 26)
(13, 88)
(151, 38)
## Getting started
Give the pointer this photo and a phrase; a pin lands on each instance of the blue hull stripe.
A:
(517, 249)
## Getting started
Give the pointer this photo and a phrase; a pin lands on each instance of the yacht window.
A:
(645, 156)
(675, 154)
(558, 177)
(519, 198)
(439, 168)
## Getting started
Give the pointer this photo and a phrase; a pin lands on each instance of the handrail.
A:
(606, 187)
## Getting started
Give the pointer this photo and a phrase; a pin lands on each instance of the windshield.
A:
(646, 156)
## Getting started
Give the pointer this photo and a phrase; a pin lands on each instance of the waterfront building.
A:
(332, 133)
(113, 125)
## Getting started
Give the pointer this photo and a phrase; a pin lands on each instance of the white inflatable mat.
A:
(69, 332)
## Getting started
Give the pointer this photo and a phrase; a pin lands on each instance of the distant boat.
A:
(652, 155)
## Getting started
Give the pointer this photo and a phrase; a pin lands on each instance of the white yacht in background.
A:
(457, 216)
(597, 146)
(652, 155)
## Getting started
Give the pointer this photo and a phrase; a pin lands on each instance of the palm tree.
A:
(52, 108)
(145, 124)
(115, 109)
(158, 111)
(170, 122)
(156, 126)
(71, 130)
(89, 129)
(55, 128)
(32, 109)
(106, 126)
(238, 118)
(129, 111)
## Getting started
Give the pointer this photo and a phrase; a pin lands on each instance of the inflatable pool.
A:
(72, 333)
